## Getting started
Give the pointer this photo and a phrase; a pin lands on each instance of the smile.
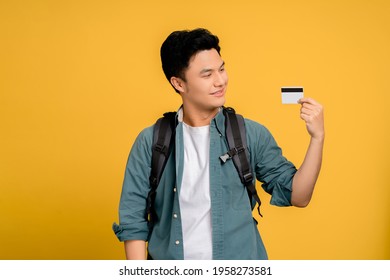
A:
(219, 93)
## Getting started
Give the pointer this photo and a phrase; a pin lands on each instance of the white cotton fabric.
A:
(194, 197)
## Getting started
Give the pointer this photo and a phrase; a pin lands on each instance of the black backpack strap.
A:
(163, 135)
(238, 151)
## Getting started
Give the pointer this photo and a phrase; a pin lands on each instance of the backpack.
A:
(163, 138)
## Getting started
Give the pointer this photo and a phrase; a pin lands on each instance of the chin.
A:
(221, 102)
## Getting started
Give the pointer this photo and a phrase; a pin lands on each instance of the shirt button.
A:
(177, 242)
(174, 189)
(175, 215)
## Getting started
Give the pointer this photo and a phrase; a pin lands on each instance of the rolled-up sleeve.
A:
(132, 208)
(272, 169)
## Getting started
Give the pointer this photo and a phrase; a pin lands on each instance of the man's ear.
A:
(178, 84)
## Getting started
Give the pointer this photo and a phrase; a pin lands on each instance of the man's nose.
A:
(219, 79)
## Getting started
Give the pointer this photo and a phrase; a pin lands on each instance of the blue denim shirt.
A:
(234, 232)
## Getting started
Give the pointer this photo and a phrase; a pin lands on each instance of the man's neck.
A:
(195, 118)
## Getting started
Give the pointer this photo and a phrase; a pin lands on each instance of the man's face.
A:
(206, 81)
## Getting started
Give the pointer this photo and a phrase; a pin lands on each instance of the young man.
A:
(202, 207)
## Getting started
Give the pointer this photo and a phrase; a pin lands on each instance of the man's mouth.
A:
(218, 93)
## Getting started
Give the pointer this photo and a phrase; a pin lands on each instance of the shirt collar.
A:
(219, 121)
(180, 114)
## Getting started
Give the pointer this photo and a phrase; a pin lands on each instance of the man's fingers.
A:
(308, 100)
(309, 106)
(305, 117)
(312, 113)
(307, 111)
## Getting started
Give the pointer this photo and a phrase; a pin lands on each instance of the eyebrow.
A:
(206, 70)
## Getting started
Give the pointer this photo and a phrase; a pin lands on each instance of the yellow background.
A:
(80, 79)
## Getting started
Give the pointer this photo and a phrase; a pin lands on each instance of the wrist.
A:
(318, 138)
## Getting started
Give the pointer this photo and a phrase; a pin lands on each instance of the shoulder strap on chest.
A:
(238, 151)
(163, 135)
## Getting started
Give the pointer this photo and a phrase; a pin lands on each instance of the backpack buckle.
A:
(225, 157)
(153, 181)
(236, 151)
(248, 177)
(161, 148)
(239, 149)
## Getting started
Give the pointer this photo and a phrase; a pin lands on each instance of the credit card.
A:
(291, 95)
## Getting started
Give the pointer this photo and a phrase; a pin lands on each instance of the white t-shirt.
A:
(194, 198)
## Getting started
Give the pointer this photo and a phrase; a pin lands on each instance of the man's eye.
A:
(222, 69)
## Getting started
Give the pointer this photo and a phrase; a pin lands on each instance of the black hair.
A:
(180, 46)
